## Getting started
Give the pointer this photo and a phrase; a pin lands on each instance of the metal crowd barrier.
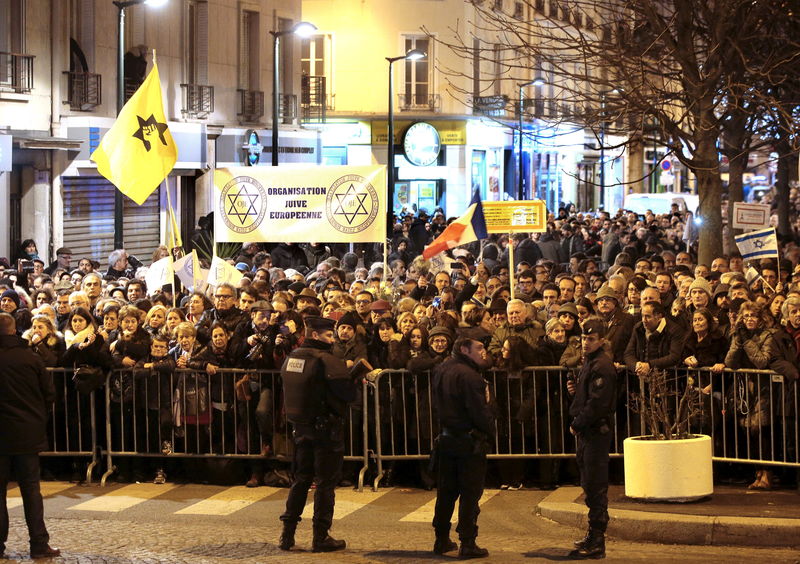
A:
(751, 415)
(234, 413)
(72, 423)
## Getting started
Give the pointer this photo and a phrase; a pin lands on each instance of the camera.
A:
(25, 266)
(134, 262)
(437, 302)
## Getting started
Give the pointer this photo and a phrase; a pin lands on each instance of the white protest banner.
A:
(336, 204)
(159, 274)
(187, 269)
(222, 272)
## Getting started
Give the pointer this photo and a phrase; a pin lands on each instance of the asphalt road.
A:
(201, 523)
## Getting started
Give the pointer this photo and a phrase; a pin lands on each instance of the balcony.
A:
(313, 98)
(16, 73)
(424, 102)
(251, 105)
(84, 91)
(198, 101)
(287, 108)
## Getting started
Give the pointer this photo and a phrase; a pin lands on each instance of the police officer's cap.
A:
(261, 305)
(320, 324)
(594, 327)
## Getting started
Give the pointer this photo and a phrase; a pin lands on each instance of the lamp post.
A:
(302, 29)
(413, 55)
(121, 6)
(538, 81)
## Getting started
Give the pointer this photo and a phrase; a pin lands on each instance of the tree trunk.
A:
(709, 188)
(785, 160)
(736, 169)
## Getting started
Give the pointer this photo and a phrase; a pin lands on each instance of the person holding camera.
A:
(317, 390)
(118, 262)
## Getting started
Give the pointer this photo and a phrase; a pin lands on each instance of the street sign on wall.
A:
(750, 216)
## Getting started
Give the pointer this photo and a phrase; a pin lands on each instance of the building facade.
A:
(59, 72)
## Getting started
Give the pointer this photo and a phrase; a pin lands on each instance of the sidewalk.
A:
(732, 516)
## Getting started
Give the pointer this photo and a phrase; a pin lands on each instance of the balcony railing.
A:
(16, 72)
(287, 108)
(84, 91)
(198, 100)
(251, 105)
(427, 102)
(313, 98)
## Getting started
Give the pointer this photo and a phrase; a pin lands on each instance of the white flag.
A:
(222, 272)
(758, 244)
(188, 270)
(159, 274)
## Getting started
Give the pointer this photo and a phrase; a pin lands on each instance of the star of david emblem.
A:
(242, 204)
(758, 243)
(348, 199)
(149, 126)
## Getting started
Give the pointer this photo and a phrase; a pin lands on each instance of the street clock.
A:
(421, 144)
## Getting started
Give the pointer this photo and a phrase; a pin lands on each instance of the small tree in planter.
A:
(670, 463)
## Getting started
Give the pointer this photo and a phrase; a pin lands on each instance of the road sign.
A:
(666, 165)
(750, 216)
(509, 217)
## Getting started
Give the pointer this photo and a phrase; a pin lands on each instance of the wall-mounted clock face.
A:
(421, 144)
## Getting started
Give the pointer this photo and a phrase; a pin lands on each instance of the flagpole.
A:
(511, 264)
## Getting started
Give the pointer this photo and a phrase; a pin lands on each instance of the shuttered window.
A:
(89, 220)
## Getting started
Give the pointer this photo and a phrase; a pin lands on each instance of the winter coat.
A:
(26, 395)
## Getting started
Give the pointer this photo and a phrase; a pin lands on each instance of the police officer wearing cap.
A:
(462, 403)
(592, 412)
(317, 389)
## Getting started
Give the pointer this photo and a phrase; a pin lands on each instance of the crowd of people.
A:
(637, 274)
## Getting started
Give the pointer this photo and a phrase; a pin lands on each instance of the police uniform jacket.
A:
(595, 395)
(460, 396)
(26, 392)
(316, 384)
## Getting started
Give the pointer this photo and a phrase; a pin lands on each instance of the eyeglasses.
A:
(223, 296)
(750, 316)
(363, 302)
(438, 341)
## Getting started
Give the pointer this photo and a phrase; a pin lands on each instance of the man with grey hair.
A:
(92, 285)
(118, 265)
(518, 324)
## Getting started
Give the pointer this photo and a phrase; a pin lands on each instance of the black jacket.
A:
(709, 351)
(527, 250)
(662, 350)
(288, 256)
(459, 393)
(595, 394)
(26, 394)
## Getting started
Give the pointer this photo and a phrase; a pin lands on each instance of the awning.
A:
(55, 143)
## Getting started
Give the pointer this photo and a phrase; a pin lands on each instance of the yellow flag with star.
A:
(138, 152)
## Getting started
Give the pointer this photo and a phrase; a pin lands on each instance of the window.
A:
(315, 55)
(12, 26)
(196, 44)
(519, 10)
(498, 69)
(553, 9)
(81, 34)
(249, 50)
(417, 80)
(540, 6)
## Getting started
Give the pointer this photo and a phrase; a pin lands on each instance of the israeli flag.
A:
(758, 244)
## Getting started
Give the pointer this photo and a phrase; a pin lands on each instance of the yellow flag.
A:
(138, 152)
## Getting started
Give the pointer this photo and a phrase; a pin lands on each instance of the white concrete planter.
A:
(677, 470)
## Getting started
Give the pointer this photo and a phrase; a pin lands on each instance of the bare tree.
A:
(681, 66)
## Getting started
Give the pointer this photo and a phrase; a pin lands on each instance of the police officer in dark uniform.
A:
(317, 390)
(461, 400)
(592, 412)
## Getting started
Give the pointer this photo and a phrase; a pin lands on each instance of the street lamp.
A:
(301, 29)
(121, 5)
(413, 55)
(538, 81)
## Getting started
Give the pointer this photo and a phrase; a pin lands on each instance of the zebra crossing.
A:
(218, 501)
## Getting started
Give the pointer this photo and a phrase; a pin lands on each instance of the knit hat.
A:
(11, 294)
(701, 283)
(350, 318)
(607, 292)
(569, 308)
(440, 330)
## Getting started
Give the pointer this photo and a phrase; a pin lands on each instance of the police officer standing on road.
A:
(26, 393)
(592, 412)
(317, 389)
(462, 401)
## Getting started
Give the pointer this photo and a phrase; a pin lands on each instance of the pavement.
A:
(214, 524)
(733, 515)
